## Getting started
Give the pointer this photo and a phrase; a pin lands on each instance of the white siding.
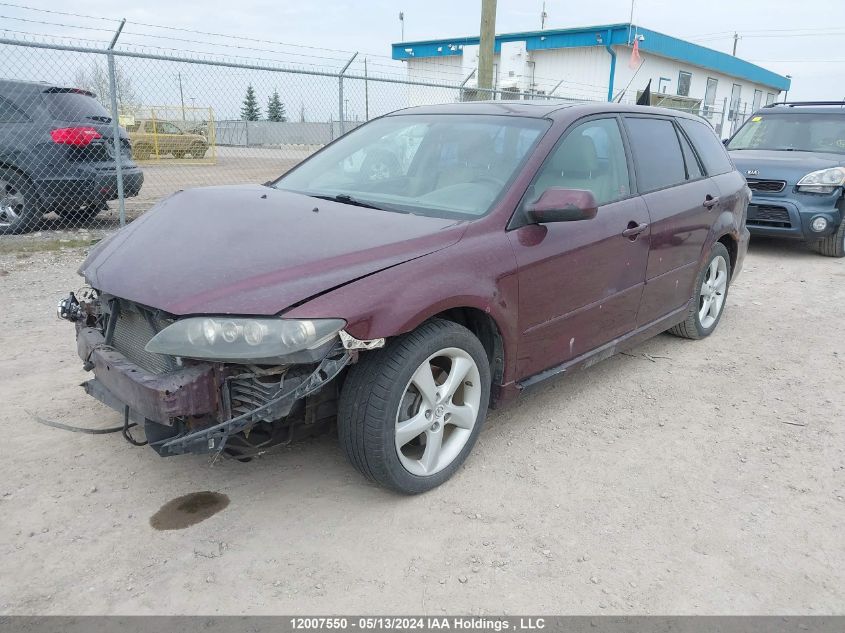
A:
(584, 73)
(654, 67)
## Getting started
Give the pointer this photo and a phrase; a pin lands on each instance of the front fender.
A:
(478, 272)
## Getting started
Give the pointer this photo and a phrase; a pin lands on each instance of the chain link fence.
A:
(91, 137)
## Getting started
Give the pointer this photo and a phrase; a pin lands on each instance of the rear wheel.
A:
(834, 244)
(409, 414)
(81, 215)
(142, 151)
(198, 151)
(19, 210)
(711, 291)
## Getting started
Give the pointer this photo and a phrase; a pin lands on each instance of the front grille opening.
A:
(768, 215)
(133, 329)
(767, 186)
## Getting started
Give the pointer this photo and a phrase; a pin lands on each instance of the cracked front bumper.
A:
(189, 392)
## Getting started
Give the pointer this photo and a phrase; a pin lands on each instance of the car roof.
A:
(805, 107)
(540, 109)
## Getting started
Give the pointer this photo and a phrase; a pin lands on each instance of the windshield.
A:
(795, 131)
(440, 165)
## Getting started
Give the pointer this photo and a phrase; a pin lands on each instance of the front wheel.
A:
(834, 244)
(410, 413)
(711, 291)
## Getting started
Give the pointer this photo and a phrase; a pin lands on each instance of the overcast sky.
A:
(785, 36)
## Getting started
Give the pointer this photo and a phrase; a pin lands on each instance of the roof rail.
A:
(792, 104)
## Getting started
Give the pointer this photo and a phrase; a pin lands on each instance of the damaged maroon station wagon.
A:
(425, 266)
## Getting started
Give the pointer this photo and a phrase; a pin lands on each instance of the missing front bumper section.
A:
(213, 438)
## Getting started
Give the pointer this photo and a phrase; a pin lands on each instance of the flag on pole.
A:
(645, 97)
(634, 62)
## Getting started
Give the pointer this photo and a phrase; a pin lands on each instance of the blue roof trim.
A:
(655, 42)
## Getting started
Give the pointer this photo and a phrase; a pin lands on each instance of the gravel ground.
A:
(686, 477)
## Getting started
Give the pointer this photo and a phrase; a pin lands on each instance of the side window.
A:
(712, 152)
(591, 156)
(10, 114)
(657, 153)
(693, 168)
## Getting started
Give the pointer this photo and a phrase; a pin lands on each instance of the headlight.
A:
(242, 340)
(823, 181)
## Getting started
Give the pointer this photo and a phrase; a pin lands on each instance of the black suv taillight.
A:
(76, 136)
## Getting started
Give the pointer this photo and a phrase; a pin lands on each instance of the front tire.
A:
(711, 292)
(410, 413)
(834, 244)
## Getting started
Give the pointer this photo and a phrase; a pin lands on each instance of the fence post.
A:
(340, 92)
(722, 124)
(115, 121)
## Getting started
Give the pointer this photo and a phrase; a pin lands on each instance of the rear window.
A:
(75, 107)
(710, 149)
(658, 155)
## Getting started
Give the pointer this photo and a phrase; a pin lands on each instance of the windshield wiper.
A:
(346, 199)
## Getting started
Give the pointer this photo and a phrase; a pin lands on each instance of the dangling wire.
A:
(126, 434)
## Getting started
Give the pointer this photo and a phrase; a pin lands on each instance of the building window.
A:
(710, 96)
(758, 97)
(684, 79)
(770, 98)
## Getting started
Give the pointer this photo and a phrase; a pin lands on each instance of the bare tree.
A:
(95, 79)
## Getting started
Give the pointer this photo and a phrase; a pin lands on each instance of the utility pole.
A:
(487, 44)
(181, 96)
(402, 23)
(736, 39)
(543, 16)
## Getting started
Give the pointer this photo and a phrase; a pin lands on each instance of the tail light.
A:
(76, 136)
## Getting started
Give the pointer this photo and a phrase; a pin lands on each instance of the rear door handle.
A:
(634, 229)
(710, 201)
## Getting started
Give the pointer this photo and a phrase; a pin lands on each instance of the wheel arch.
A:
(732, 245)
(485, 328)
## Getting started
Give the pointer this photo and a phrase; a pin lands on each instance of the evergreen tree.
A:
(250, 110)
(276, 109)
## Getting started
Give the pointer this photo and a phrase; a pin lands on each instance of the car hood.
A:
(254, 250)
(777, 165)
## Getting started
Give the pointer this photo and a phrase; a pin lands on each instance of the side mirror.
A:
(562, 205)
(725, 141)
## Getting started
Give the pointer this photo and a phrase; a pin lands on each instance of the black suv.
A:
(793, 157)
(57, 154)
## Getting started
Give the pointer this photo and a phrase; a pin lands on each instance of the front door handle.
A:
(710, 201)
(634, 229)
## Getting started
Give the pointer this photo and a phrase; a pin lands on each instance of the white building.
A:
(594, 63)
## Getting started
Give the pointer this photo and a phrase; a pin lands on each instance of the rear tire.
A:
(834, 244)
(711, 293)
(407, 437)
(198, 151)
(82, 215)
(142, 152)
(19, 206)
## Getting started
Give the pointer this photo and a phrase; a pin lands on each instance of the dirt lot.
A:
(687, 477)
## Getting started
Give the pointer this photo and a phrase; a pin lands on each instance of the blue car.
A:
(793, 157)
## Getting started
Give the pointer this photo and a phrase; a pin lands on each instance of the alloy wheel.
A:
(437, 412)
(712, 295)
(11, 203)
